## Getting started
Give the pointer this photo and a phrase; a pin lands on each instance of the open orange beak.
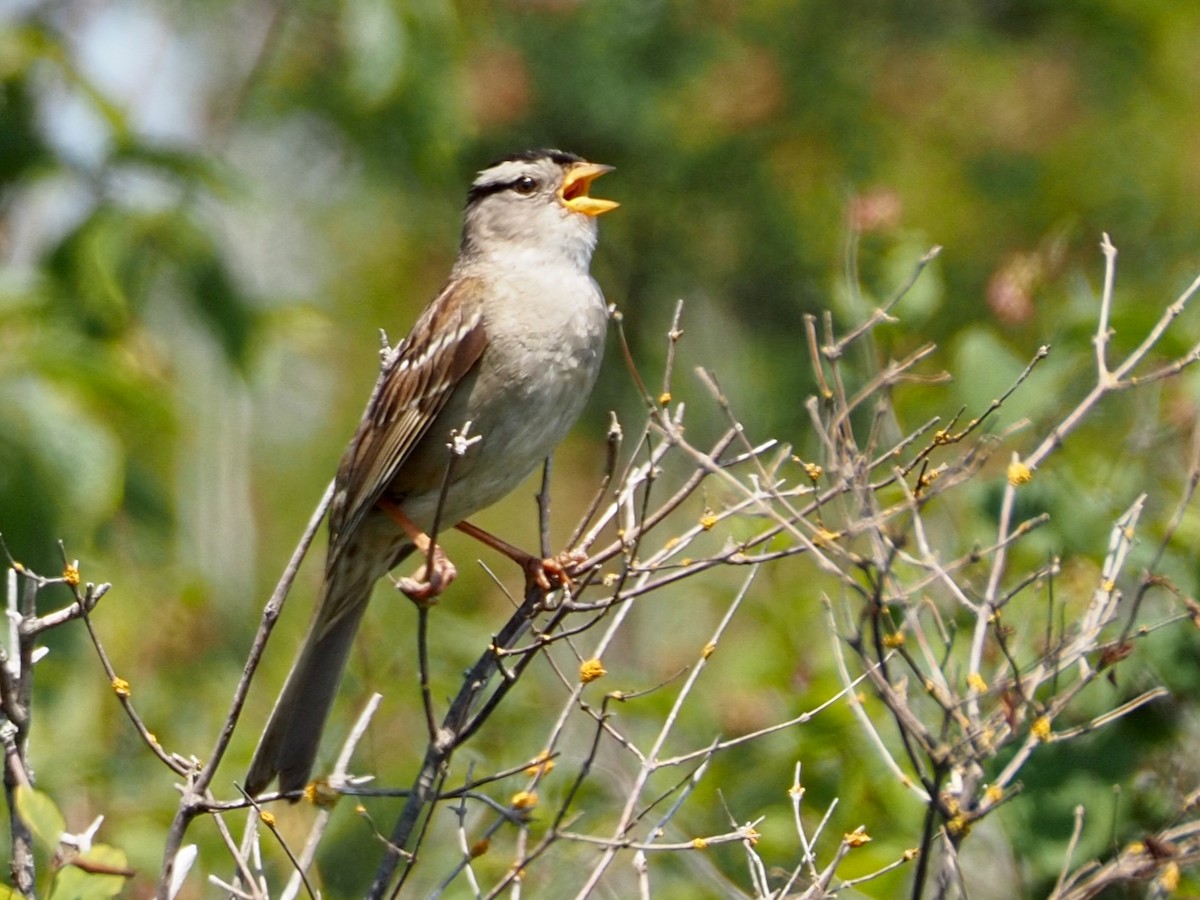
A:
(574, 191)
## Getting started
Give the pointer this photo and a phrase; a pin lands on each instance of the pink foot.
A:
(426, 584)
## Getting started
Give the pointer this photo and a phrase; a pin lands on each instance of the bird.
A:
(503, 358)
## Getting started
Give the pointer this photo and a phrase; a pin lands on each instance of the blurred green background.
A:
(208, 210)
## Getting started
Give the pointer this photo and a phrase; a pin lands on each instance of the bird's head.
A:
(538, 201)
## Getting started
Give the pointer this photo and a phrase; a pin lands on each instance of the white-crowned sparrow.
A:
(511, 345)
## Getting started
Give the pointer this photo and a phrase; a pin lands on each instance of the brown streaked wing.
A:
(446, 341)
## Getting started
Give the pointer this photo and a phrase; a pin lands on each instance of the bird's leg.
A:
(547, 573)
(435, 574)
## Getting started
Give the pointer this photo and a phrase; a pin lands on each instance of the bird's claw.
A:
(426, 584)
(554, 572)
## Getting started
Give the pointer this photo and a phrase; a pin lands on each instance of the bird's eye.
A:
(525, 185)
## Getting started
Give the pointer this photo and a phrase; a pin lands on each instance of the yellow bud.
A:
(976, 683)
(824, 537)
(321, 795)
(708, 520)
(700, 843)
(541, 764)
(856, 838)
(524, 800)
(893, 640)
(590, 670)
(1019, 473)
(664, 398)
(121, 687)
(1168, 879)
(709, 650)
(71, 575)
(267, 818)
(1041, 728)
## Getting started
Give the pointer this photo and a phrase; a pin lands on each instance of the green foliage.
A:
(92, 874)
(105, 272)
(42, 816)
(74, 883)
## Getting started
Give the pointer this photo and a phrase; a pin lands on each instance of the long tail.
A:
(288, 746)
